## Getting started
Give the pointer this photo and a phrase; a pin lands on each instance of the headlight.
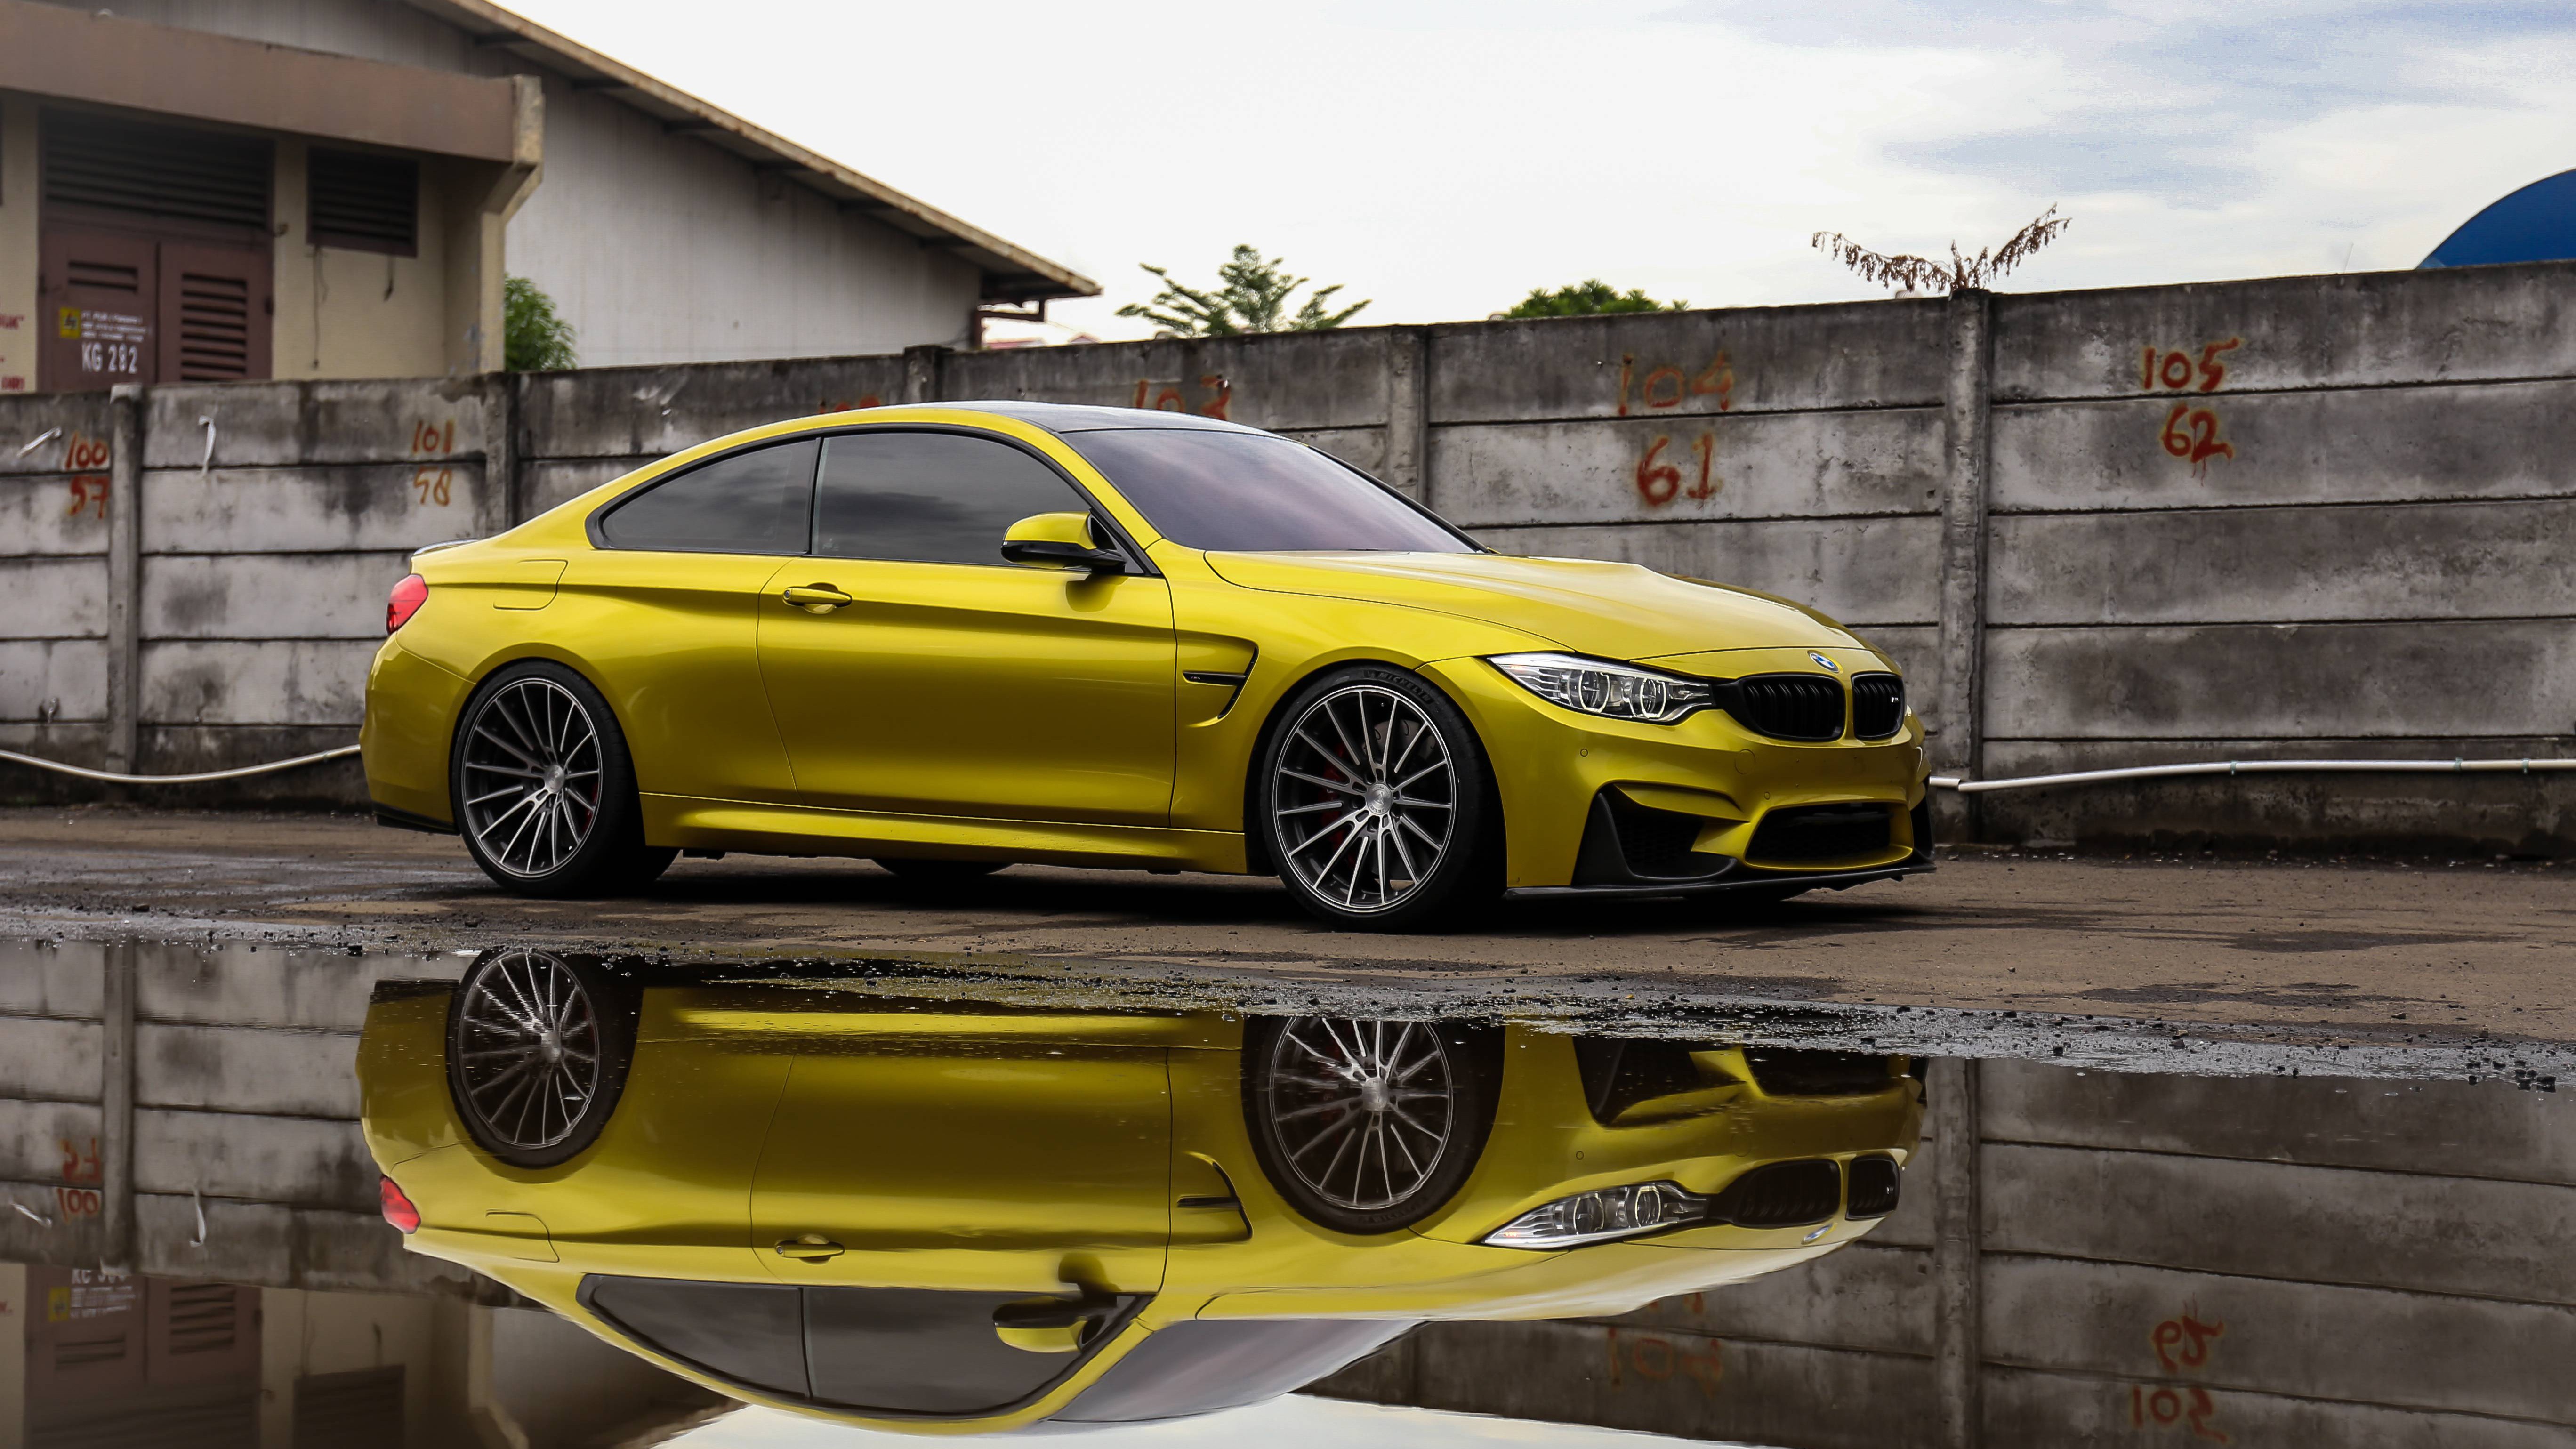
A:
(1601, 1215)
(1615, 691)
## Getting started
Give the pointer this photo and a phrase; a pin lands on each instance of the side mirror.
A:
(1059, 541)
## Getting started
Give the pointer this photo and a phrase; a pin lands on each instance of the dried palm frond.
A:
(1905, 272)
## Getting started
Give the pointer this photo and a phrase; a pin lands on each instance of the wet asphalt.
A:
(2447, 968)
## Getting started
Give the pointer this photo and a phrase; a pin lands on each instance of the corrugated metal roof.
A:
(1010, 273)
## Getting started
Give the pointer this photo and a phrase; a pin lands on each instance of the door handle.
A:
(810, 1249)
(815, 598)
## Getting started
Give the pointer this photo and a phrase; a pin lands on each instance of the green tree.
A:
(1586, 298)
(534, 337)
(1251, 296)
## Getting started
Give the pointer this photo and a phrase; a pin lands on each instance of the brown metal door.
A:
(214, 314)
(101, 310)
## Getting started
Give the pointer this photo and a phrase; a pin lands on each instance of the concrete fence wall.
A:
(2155, 1260)
(142, 1085)
(2310, 516)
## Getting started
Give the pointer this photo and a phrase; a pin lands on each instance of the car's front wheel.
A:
(1376, 802)
(1367, 1126)
(545, 789)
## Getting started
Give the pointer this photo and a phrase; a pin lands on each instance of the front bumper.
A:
(1554, 768)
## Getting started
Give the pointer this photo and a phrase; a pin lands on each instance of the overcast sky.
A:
(1442, 157)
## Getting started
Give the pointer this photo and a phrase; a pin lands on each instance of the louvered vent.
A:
(104, 276)
(112, 164)
(204, 1318)
(336, 1411)
(79, 1352)
(214, 327)
(363, 202)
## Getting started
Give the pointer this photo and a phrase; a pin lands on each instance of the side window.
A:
(919, 1350)
(751, 1333)
(755, 502)
(929, 497)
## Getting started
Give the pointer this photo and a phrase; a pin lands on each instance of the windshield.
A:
(1251, 492)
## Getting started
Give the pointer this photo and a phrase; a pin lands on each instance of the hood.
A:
(1607, 610)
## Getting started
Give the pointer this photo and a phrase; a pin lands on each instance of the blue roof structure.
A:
(2535, 224)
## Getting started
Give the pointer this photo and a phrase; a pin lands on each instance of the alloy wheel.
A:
(533, 776)
(1364, 800)
(528, 1050)
(1363, 1113)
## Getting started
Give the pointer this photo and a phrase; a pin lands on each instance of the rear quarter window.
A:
(757, 501)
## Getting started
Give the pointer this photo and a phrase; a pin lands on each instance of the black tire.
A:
(1400, 846)
(1291, 1112)
(518, 1029)
(940, 872)
(574, 827)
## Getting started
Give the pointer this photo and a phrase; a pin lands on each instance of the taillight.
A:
(398, 1208)
(407, 598)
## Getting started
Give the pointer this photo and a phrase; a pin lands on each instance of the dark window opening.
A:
(921, 497)
(363, 202)
(750, 1333)
(756, 501)
(901, 1351)
(168, 173)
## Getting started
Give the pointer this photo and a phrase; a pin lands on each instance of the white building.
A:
(207, 189)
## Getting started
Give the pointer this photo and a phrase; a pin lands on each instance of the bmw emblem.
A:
(1827, 663)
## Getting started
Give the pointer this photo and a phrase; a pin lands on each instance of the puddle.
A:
(806, 1203)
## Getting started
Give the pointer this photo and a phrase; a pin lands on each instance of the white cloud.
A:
(1443, 157)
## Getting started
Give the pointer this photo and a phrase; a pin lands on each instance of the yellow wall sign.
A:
(67, 322)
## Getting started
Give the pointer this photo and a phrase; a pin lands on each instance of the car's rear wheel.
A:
(1367, 1126)
(537, 1052)
(1376, 802)
(544, 788)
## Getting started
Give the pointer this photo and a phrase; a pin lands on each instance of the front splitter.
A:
(1821, 880)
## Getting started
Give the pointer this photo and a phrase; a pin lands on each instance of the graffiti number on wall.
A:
(2188, 1408)
(1664, 387)
(434, 485)
(2189, 433)
(1657, 1359)
(89, 495)
(1215, 400)
(434, 438)
(2182, 1342)
(2176, 372)
(88, 489)
(1660, 481)
(80, 1164)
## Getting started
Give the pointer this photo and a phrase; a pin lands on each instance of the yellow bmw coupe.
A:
(952, 638)
(944, 1216)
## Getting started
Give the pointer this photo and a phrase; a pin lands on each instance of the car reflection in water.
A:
(942, 1215)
